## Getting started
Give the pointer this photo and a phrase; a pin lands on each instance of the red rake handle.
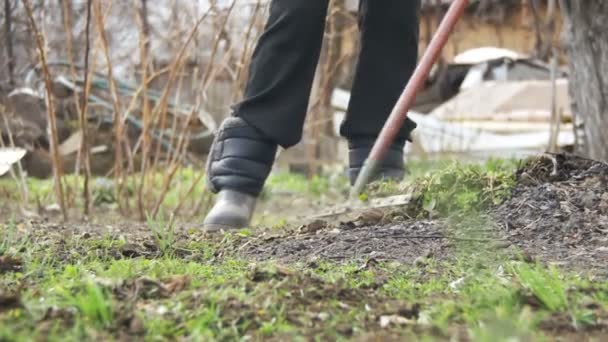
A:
(399, 114)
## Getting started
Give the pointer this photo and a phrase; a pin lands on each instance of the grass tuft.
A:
(163, 232)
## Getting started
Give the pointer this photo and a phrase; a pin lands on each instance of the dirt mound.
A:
(404, 242)
(559, 211)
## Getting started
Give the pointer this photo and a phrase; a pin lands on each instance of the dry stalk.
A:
(197, 180)
(243, 61)
(175, 67)
(67, 27)
(21, 179)
(132, 105)
(145, 137)
(143, 51)
(554, 129)
(82, 118)
(174, 123)
(182, 146)
(203, 205)
(182, 200)
(211, 74)
(8, 37)
(207, 76)
(52, 120)
(118, 124)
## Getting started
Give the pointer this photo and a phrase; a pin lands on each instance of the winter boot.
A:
(392, 167)
(240, 160)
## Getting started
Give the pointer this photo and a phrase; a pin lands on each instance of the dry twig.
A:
(117, 121)
(52, 120)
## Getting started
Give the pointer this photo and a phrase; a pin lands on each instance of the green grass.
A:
(487, 296)
(75, 288)
(40, 191)
(318, 185)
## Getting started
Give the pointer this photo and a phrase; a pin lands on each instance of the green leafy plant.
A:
(458, 188)
(545, 284)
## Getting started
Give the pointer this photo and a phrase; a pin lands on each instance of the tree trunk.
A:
(586, 40)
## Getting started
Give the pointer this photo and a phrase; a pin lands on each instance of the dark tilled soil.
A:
(559, 211)
(400, 242)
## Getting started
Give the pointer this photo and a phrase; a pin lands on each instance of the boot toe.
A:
(224, 221)
(232, 210)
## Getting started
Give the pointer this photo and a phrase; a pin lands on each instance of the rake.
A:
(399, 113)
(396, 119)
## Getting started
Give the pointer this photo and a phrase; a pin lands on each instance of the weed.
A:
(9, 239)
(8, 236)
(545, 284)
(93, 303)
(465, 188)
(163, 232)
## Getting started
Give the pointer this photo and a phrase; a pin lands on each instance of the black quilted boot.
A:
(392, 167)
(239, 162)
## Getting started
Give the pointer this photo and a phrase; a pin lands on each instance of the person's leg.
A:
(283, 68)
(272, 112)
(387, 59)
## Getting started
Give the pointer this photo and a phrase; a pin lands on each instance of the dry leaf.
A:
(386, 321)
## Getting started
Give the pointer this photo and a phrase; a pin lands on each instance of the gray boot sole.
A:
(217, 228)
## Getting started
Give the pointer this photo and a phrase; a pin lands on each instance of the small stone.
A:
(528, 258)
(398, 219)
(53, 208)
(323, 316)
(136, 326)
(10, 264)
(588, 200)
(386, 321)
(420, 261)
(161, 310)
(502, 244)
(313, 226)
(371, 216)
(130, 250)
(366, 250)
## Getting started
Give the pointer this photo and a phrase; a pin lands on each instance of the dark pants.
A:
(285, 59)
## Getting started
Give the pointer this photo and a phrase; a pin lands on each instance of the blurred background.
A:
(135, 89)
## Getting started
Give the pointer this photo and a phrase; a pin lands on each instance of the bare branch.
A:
(52, 120)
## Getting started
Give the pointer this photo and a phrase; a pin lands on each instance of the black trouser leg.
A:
(286, 56)
(282, 70)
(387, 59)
